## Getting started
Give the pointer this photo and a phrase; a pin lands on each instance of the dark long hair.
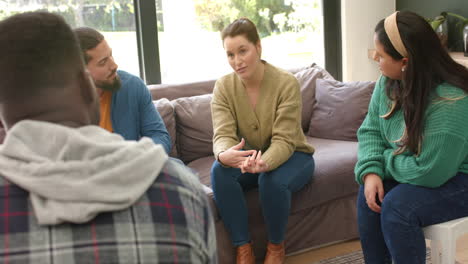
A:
(428, 65)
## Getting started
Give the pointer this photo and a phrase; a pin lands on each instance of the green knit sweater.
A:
(274, 126)
(444, 149)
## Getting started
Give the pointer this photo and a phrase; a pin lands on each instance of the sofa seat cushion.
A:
(333, 176)
(202, 167)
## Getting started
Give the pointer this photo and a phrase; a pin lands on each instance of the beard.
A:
(112, 86)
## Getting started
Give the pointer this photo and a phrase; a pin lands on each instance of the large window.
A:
(115, 19)
(190, 47)
(175, 41)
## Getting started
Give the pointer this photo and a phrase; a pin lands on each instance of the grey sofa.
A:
(324, 211)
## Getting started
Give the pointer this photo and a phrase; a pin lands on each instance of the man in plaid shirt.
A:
(70, 191)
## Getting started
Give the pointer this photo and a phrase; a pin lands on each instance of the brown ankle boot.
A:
(245, 254)
(275, 254)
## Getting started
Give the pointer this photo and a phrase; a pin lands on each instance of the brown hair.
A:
(89, 38)
(241, 26)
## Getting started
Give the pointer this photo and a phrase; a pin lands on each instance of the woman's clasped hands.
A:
(249, 161)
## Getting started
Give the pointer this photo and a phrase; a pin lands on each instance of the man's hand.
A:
(235, 157)
(254, 164)
(373, 186)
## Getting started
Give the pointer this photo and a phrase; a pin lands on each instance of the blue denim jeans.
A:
(275, 188)
(396, 233)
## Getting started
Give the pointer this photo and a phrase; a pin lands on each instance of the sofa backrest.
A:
(174, 91)
(330, 109)
(305, 75)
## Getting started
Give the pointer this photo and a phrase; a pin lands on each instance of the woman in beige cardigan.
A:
(258, 141)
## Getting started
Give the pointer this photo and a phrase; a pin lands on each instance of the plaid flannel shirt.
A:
(170, 223)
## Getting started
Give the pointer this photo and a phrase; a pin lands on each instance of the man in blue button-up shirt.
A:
(132, 113)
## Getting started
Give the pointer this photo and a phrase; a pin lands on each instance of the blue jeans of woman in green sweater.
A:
(396, 233)
(275, 188)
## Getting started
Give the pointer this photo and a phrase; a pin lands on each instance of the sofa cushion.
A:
(194, 127)
(202, 167)
(166, 110)
(333, 175)
(340, 108)
(306, 78)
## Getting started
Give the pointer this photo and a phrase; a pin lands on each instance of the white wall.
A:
(358, 20)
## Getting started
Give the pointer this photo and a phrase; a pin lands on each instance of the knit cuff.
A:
(373, 169)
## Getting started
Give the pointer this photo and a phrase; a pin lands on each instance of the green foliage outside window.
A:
(107, 15)
(270, 16)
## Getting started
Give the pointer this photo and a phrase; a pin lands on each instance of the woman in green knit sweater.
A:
(413, 145)
(258, 141)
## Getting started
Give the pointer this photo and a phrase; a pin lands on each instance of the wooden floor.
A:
(350, 246)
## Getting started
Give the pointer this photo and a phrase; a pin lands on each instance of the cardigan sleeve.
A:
(286, 125)
(224, 120)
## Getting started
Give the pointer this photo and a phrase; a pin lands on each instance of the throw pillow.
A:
(340, 109)
(166, 110)
(194, 127)
(306, 78)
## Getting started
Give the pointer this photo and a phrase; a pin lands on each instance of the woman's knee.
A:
(269, 181)
(221, 174)
(218, 172)
(396, 211)
(216, 168)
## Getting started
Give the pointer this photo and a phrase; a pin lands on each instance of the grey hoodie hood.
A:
(72, 174)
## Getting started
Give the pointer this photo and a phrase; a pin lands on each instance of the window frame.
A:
(332, 37)
(147, 41)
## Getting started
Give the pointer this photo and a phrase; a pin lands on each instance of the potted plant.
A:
(439, 24)
(462, 30)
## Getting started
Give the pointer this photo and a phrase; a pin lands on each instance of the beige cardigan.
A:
(274, 126)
